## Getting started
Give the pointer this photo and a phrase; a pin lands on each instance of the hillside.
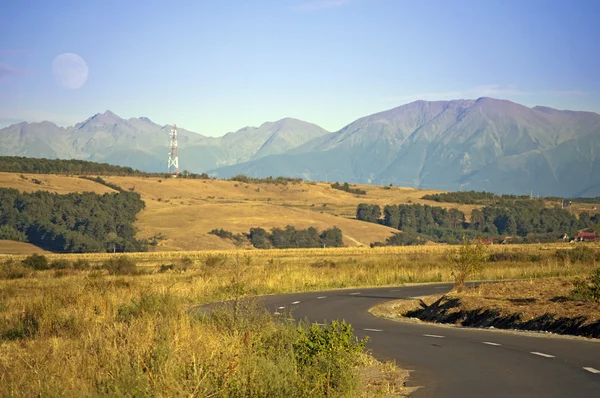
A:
(184, 211)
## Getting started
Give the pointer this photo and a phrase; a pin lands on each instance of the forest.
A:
(19, 164)
(75, 222)
(518, 220)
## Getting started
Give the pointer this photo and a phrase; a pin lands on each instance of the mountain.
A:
(484, 144)
(143, 144)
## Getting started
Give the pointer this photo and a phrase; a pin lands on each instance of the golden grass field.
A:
(184, 211)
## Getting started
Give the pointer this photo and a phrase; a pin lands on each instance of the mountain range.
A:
(484, 144)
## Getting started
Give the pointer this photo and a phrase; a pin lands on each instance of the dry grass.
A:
(12, 247)
(186, 210)
(51, 183)
(531, 298)
(86, 333)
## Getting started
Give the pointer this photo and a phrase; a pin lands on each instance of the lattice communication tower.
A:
(173, 155)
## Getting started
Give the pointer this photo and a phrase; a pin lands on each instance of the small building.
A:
(587, 237)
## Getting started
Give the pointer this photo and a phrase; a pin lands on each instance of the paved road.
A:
(457, 362)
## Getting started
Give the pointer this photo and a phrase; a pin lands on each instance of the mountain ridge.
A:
(482, 144)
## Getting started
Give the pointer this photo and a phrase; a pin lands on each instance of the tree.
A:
(332, 237)
(467, 260)
(259, 238)
(477, 220)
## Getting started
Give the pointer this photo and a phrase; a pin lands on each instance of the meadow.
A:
(87, 329)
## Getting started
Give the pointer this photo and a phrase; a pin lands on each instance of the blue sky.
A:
(216, 66)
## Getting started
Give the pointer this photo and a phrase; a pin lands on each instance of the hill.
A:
(184, 211)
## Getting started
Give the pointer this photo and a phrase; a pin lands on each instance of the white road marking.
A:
(296, 302)
(592, 370)
(354, 294)
(490, 343)
(321, 297)
(435, 335)
(542, 354)
(318, 324)
(276, 313)
(373, 330)
(280, 308)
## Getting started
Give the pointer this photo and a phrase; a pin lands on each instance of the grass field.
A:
(184, 211)
(86, 332)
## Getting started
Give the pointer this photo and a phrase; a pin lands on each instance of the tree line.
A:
(290, 237)
(523, 220)
(346, 188)
(74, 222)
(286, 238)
(488, 198)
(20, 164)
(269, 180)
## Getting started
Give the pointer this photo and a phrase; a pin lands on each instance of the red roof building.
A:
(587, 237)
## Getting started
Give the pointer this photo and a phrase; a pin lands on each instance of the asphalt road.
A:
(457, 362)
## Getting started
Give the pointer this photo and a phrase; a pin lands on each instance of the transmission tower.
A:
(173, 165)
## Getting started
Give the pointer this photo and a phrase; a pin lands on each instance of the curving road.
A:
(457, 362)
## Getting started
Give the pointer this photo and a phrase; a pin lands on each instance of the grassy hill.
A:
(184, 211)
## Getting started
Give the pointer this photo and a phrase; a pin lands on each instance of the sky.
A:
(216, 66)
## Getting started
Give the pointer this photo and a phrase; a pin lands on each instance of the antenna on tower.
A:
(173, 165)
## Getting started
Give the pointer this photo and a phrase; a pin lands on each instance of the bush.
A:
(221, 233)
(214, 261)
(467, 260)
(512, 256)
(581, 254)
(121, 265)
(588, 289)
(60, 264)
(152, 304)
(81, 264)
(37, 262)
(11, 269)
(324, 264)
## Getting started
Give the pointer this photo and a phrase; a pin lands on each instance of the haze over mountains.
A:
(484, 144)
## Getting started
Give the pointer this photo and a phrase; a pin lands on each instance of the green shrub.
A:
(121, 265)
(580, 254)
(37, 262)
(587, 289)
(513, 256)
(81, 264)
(60, 264)
(11, 269)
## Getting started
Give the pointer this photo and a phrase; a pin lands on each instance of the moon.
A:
(70, 71)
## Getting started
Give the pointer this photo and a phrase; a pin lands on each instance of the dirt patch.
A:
(535, 305)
